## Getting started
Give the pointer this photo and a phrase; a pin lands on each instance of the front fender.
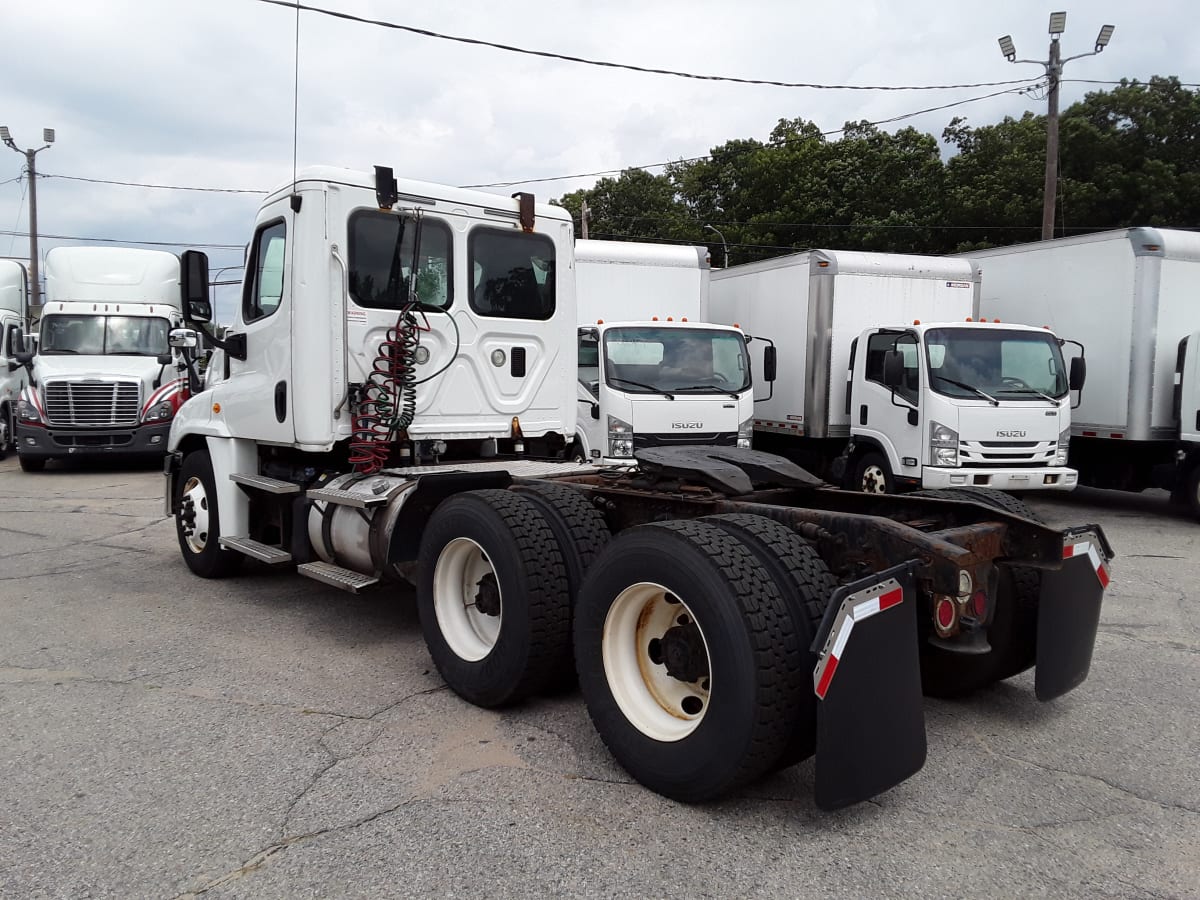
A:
(196, 417)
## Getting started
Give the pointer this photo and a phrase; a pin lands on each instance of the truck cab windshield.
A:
(672, 360)
(975, 362)
(104, 335)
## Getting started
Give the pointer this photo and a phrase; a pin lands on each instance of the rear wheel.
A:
(7, 430)
(1012, 633)
(806, 585)
(1192, 489)
(198, 521)
(873, 475)
(492, 597)
(688, 659)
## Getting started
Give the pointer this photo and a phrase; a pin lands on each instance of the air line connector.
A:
(526, 208)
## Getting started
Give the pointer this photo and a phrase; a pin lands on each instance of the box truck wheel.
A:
(1192, 488)
(492, 596)
(873, 475)
(31, 463)
(7, 430)
(806, 584)
(688, 659)
(198, 522)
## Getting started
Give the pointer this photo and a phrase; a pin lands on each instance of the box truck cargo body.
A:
(14, 290)
(104, 380)
(964, 403)
(651, 372)
(1132, 299)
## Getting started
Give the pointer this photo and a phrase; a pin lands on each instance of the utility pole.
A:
(1053, 66)
(724, 246)
(585, 216)
(35, 284)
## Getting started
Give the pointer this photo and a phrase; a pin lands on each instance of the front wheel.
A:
(873, 475)
(492, 597)
(198, 521)
(688, 659)
(31, 463)
(7, 431)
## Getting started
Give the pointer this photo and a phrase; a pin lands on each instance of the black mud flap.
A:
(870, 714)
(1069, 612)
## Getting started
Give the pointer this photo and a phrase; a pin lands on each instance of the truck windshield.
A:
(971, 361)
(104, 335)
(651, 360)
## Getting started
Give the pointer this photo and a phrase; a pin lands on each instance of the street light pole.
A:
(1054, 67)
(724, 245)
(35, 285)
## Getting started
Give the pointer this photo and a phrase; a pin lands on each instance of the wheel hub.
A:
(487, 595)
(683, 654)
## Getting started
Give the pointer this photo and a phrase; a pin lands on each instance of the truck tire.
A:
(492, 597)
(198, 522)
(1191, 484)
(1013, 631)
(31, 463)
(806, 585)
(688, 659)
(873, 475)
(7, 431)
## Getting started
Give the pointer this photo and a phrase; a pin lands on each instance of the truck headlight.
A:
(1064, 444)
(745, 433)
(620, 438)
(27, 412)
(943, 445)
(159, 412)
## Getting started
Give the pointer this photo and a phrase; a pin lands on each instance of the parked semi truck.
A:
(396, 409)
(1129, 297)
(652, 371)
(14, 293)
(888, 380)
(104, 381)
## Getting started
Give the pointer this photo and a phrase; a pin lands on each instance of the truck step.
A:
(263, 483)
(347, 498)
(336, 576)
(256, 549)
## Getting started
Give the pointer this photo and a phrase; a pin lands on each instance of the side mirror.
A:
(595, 410)
(1078, 373)
(770, 364)
(183, 339)
(893, 369)
(164, 359)
(193, 286)
(23, 357)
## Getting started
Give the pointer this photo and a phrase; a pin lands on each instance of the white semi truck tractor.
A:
(14, 293)
(1129, 297)
(889, 379)
(653, 370)
(104, 381)
(400, 406)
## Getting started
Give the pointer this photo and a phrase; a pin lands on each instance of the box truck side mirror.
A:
(893, 369)
(193, 284)
(770, 365)
(1078, 373)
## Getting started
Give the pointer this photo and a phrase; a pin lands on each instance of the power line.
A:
(546, 54)
(161, 187)
(100, 240)
(1025, 85)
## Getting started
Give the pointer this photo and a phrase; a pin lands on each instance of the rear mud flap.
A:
(870, 714)
(1069, 613)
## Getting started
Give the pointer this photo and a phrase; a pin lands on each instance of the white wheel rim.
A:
(195, 496)
(874, 481)
(656, 703)
(469, 631)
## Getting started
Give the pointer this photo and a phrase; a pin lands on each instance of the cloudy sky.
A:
(199, 93)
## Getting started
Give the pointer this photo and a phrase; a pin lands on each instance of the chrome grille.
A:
(93, 403)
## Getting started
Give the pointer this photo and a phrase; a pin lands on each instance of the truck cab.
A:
(960, 404)
(13, 375)
(104, 381)
(659, 384)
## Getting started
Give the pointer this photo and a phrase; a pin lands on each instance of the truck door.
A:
(257, 400)
(891, 420)
(1187, 389)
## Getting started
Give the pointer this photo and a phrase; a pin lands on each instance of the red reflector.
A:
(945, 614)
(826, 677)
(891, 598)
(1116, 434)
(1089, 434)
(1102, 574)
(979, 604)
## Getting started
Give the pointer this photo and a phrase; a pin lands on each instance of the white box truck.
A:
(886, 381)
(104, 380)
(652, 371)
(1132, 299)
(14, 291)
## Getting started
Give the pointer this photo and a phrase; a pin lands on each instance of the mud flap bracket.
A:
(870, 713)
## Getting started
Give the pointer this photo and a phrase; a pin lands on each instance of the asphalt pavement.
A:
(166, 736)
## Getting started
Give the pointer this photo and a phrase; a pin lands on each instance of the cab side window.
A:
(878, 344)
(264, 288)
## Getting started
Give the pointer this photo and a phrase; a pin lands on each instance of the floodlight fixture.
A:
(1104, 37)
(1008, 48)
(48, 135)
(1058, 23)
